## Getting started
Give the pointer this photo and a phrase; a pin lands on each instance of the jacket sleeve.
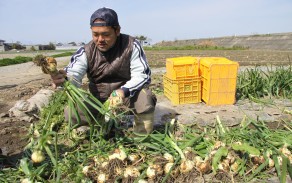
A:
(140, 71)
(77, 67)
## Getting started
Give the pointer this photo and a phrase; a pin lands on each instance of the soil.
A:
(23, 80)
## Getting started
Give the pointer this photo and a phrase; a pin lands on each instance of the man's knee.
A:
(145, 101)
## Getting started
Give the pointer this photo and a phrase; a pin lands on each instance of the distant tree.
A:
(52, 46)
(141, 39)
(17, 46)
(32, 48)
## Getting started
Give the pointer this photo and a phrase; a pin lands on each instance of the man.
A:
(116, 67)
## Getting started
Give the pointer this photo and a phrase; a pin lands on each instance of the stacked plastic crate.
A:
(219, 77)
(182, 84)
(208, 79)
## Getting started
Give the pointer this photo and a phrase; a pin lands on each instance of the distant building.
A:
(11, 46)
(59, 44)
(1, 42)
(2, 45)
(47, 47)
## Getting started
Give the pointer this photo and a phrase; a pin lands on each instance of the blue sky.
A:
(44, 21)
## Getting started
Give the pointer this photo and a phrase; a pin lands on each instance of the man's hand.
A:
(116, 98)
(59, 78)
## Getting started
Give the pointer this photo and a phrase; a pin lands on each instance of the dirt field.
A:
(24, 80)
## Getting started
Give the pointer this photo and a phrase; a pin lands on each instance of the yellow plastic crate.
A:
(182, 67)
(218, 80)
(182, 91)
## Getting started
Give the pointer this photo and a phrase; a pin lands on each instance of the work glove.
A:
(116, 98)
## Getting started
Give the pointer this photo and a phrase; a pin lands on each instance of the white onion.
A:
(37, 156)
(168, 157)
(186, 166)
(167, 167)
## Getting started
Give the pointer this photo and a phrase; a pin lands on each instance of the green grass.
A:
(66, 54)
(16, 60)
(21, 59)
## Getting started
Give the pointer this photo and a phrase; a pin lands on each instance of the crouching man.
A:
(116, 67)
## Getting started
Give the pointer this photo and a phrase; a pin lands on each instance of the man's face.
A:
(104, 37)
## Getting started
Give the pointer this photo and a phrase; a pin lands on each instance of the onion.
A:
(204, 167)
(142, 181)
(212, 153)
(258, 160)
(98, 160)
(285, 150)
(168, 157)
(102, 178)
(154, 170)
(131, 172)
(150, 172)
(234, 167)
(198, 160)
(85, 170)
(26, 180)
(167, 167)
(36, 133)
(37, 156)
(231, 157)
(119, 154)
(104, 164)
(187, 150)
(271, 163)
(186, 166)
(224, 166)
(218, 144)
(280, 160)
(133, 158)
(269, 152)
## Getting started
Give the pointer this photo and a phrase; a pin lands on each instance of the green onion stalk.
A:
(79, 101)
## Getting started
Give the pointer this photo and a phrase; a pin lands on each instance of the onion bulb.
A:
(224, 166)
(204, 167)
(102, 178)
(26, 180)
(37, 156)
(167, 167)
(234, 167)
(154, 170)
(198, 160)
(142, 181)
(131, 172)
(280, 160)
(258, 160)
(119, 154)
(271, 163)
(186, 166)
(285, 150)
(168, 157)
(133, 158)
(85, 170)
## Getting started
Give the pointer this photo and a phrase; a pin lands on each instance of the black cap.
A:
(106, 14)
